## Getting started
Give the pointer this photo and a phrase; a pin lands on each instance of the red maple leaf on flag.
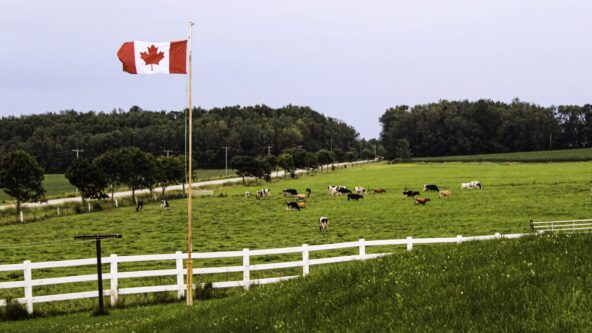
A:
(152, 57)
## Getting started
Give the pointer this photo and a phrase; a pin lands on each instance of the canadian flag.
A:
(154, 58)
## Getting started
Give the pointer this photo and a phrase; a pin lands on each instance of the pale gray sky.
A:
(347, 59)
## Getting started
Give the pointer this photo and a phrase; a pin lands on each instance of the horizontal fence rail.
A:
(178, 262)
(567, 225)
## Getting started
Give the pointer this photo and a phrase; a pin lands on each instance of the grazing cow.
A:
(379, 190)
(292, 205)
(247, 194)
(164, 204)
(308, 192)
(343, 190)
(445, 193)
(354, 196)
(410, 194)
(471, 185)
(430, 187)
(289, 191)
(302, 204)
(139, 206)
(323, 224)
(301, 197)
(359, 190)
(421, 201)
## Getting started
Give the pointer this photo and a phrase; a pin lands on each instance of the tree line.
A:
(481, 127)
(21, 176)
(251, 130)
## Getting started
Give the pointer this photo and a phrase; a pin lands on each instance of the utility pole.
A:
(269, 150)
(226, 160)
(331, 144)
(78, 151)
(167, 151)
(374, 150)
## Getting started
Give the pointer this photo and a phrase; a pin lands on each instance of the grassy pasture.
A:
(512, 194)
(57, 186)
(565, 155)
(535, 284)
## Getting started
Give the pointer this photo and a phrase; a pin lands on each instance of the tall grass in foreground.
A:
(535, 284)
(566, 155)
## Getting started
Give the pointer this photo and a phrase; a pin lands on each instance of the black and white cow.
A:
(323, 224)
(354, 196)
(292, 205)
(410, 194)
(289, 191)
(430, 187)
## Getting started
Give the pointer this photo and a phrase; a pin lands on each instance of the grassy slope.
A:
(536, 284)
(584, 154)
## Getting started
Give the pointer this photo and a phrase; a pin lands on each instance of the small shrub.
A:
(15, 310)
(97, 207)
(77, 209)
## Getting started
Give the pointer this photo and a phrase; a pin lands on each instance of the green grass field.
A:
(512, 194)
(536, 284)
(566, 155)
(57, 186)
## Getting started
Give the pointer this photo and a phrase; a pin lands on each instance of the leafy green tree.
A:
(325, 157)
(245, 166)
(138, 168)
(21, 178)
(402, 152)
(171, 170)
(112, 166)
(286, 162)
(311, 162)
(299, 157)
(88, 178)
(350, 156)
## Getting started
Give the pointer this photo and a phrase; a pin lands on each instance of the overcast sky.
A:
(346, 59)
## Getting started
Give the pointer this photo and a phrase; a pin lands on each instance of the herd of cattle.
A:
(300, 200)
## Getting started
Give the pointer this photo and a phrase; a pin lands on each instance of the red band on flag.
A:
(126, 55)
(178, 57)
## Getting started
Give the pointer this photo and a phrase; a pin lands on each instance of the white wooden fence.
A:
(178, 258)
(566, 225)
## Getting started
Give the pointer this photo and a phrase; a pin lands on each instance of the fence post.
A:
(89, 207)
(22, 217)
(180, 270)
(28, 286)
(246, 273)
(305, 263)
(362, 243)
(58, 210)
(459, 239)
(116, 204)
(113, 292)
(409, 243)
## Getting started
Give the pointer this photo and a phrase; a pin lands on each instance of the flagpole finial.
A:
(191, 23)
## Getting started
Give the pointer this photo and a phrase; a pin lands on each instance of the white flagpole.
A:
(189, 295)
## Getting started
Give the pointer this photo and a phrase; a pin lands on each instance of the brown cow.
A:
(446, 193)
(301, 204)
(421, 201)
(379, 190)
